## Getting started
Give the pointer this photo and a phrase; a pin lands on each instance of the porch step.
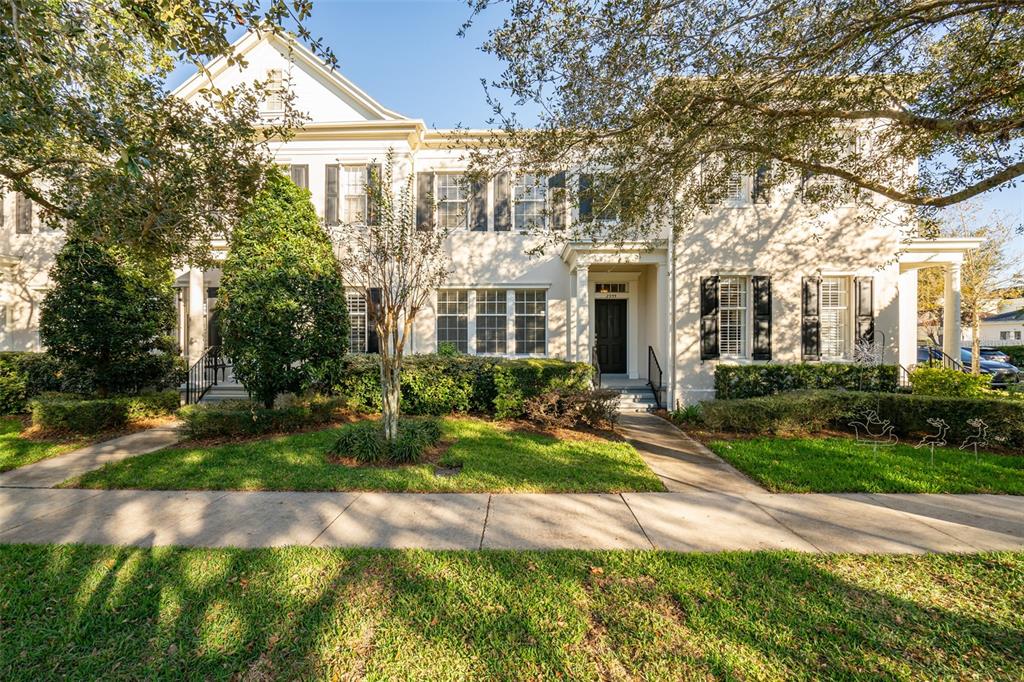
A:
(634, 395)
(222, 392)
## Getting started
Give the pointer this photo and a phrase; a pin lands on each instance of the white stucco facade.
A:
(568, 301)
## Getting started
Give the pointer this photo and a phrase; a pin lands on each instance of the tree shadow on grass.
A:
(85, 612)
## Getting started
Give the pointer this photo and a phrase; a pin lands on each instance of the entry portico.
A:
(634, 273)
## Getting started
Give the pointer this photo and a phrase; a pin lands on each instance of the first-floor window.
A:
(491, 321)
(835, 313)
(453, 318)
(357, 321)
(531, 325)
(732, 316)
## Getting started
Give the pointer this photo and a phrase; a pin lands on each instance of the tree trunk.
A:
(391, 394)
(975, 344)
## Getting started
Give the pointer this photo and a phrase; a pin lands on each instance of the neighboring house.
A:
(1003, 329)
(750, 283)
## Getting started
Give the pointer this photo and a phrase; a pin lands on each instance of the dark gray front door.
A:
(610, 334)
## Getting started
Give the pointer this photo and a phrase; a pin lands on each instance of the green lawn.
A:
(17, 451)
(85, 612)
(837, 465)
(493, 458)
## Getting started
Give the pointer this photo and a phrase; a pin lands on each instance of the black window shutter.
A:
(762, 318)
(22, 214)
(331, 212)
(556, 188)
(865, 309)
(372, 340)
(478, 206)
(586, 196)
(300, 175)
(374, 172)
(810, 323)
(502, 203)
(424, 201)
(709, 318)
(3, 207)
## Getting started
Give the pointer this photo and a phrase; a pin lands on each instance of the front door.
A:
(610, 334)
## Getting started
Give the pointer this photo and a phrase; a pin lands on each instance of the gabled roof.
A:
(1008, 316)
(300, 54)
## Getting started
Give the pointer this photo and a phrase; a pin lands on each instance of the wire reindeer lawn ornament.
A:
(933, 440)
(977, 439)
(874, 431)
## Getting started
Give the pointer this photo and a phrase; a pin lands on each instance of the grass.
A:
(837, 465)
(17, 450)
(493, 458)
(86, 612)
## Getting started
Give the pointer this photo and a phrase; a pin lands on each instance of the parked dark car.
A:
(1002, 373)
(990, 353)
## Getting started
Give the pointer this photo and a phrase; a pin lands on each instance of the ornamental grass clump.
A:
(366, 443)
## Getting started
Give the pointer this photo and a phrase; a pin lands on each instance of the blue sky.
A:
(408, 56)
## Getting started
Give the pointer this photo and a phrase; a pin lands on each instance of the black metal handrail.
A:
(654, 370)
(943, 360)
(597, 368)
(202, 375)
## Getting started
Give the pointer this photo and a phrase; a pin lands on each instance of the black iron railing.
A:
(654, 376)
(597, 368)
(202, 375)
(938, 358)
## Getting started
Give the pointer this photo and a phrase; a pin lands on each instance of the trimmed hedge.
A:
(439, 384)
(812, 411)
(24, 376)
(753, 381)
(233, 418)
(74, 414)
(948, 382)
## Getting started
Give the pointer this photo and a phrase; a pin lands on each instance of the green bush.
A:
(752, 381)
(813, 411)
(24, 376)
(948, 382)
(108, 321)
(233, 418)
(284, 320)
(365, 442)
(516, 381)
(75, 414)
(1016, 354)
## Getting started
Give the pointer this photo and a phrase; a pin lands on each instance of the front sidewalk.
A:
(673, 521)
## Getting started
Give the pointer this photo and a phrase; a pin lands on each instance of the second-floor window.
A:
(22, 214)
(452, 201)
(299, 175)
(353, 194)
(529, 198)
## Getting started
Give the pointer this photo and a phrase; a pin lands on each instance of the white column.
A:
(908, 314)
(661, 310)
(951, 312)
(196, 315)
(582, 313)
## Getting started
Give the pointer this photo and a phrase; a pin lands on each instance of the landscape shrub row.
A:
(948, 382)
(753, 381)
(235, 418)
(438, 384)
(75, 414)
(813, 411)
(24, 376)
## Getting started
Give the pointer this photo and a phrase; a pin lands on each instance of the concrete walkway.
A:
(682, 464)
(50, 472)
(709, 507)
(700, 521)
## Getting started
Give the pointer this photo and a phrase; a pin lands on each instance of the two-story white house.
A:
(751, 282)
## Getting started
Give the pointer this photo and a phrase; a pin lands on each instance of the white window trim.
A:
(275, 92)
(847, 320)
(364, 315)
(343, 194)
(510, 328)
(438, 201)
(545, 203)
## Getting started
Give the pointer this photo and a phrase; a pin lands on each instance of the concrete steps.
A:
(225, 391)
(634, 394)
